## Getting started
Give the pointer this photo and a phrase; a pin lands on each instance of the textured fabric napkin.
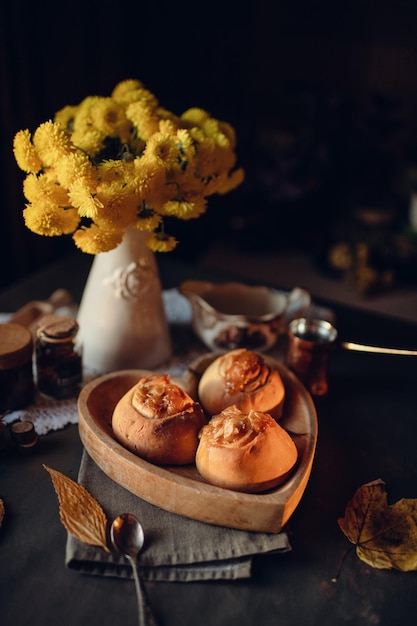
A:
(176, 548)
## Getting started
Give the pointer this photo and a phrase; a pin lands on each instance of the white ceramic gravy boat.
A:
(233, 315)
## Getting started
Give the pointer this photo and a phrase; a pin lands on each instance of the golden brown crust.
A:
(242, 378)
(159, 421)
(245, 451)
(156, 396)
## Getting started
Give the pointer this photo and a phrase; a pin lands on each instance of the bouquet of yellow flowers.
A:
(122, 161)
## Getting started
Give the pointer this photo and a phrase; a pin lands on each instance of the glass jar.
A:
(16, 371)
(58, 357)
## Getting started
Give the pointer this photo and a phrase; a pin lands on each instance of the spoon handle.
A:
(348, 345)
(145, 613)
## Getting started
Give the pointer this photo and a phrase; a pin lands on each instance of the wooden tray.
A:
(182, 490)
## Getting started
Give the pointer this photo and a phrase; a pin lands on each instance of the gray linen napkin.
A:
(176, 548)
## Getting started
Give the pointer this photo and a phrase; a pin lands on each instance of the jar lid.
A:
(57, 328)
(23, 433)
(16, 345)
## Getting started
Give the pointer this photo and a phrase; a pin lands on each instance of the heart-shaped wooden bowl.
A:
(182, 490)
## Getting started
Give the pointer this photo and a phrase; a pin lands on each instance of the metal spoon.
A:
(127, 536)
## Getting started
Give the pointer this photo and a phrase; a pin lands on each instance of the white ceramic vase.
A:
(121, 316)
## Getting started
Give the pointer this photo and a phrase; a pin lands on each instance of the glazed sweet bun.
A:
(247, 452)
(242, 378)
(157, 420)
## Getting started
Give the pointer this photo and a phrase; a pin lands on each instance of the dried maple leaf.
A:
(80, 513)
(385, 536)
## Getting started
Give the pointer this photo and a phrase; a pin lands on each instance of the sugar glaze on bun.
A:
(157, 420)
(247, 452)
(242, 378)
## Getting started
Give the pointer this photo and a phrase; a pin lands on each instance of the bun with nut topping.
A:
(247, 452)
(244, 379)
(158, 420)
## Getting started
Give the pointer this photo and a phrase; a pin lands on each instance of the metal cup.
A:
(310, 341)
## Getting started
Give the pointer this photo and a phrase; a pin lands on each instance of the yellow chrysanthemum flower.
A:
(167, 127)
(185, 209)
(50, 220)
(149, 181)
(160, 242)
(25, 153)
(82, 122)
(94, 239)
(90, 141)
(109, 118)
(197, 135)
(85, 135)
(44, 188)
(212, 128)
(65, 116)
(142, 95)
(118, 206)
(76, 167)
(52, 143)
(229, 132)
(186, 144)
(122, 91)
(162, 150)
(164, 114)
(146, 97)
(83, 113)
(144, 118)
(87, 204)
(195, 116)
(112, 170)
(147, 218)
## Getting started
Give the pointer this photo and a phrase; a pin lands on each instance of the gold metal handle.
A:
(358, 347)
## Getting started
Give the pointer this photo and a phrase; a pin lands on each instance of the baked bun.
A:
(241, 378)
(157, 420)
(245, 451)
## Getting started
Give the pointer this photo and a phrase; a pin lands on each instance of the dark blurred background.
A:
(323, 96)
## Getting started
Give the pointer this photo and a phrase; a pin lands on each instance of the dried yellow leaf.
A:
(1, 511)
(80, 513)
(385, 535)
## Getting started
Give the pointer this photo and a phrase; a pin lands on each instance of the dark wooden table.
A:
(367, 430)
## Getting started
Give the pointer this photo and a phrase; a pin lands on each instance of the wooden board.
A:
(182, 490)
